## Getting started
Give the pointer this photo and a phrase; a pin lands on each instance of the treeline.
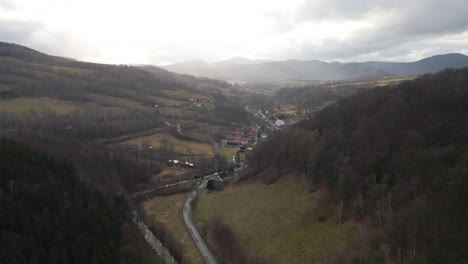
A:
(397, 159)
(168, 239)
(47, 215)
(87, 123)
(112, 170)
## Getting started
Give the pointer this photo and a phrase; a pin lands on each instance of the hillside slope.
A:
(49, 216)
(95, 101)
(276, 222)
(397, 159)
(24, 71)
(428, 65)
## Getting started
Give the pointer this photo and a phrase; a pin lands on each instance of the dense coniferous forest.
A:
(396, 159)
(48, 215)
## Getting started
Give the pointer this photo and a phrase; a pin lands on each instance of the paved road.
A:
(187, 212)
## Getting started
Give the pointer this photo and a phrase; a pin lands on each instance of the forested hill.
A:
(25, 53)
(396, 158)
(26, 72)
(96, 101)
(427, 65)
(47, 215)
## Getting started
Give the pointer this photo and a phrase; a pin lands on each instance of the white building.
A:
(279, 122)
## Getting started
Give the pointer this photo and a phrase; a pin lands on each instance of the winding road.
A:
(187, 212)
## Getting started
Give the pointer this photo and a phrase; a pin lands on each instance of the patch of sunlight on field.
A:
(391, 81)
(26, 104)
(168, 210)
(277, 221)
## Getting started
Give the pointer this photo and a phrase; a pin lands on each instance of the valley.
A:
(334, 170)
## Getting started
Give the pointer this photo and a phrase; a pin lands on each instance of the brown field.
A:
(181, 146)
(26, 104)
(277, 221)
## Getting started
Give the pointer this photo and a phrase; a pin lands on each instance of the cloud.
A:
(16, 31)
(7, 5)
(395, 26)
(341, 9)
(155, 31)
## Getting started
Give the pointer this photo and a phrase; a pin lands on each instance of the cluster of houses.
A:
(178, 164)
(282, 119)
(276, 120)
(194, 102)
(240, 136)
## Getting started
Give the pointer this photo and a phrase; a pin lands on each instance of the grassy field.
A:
(287, 109)
(169, 173)
(277, 221)
(24, 104)
(72, 69)
(179, 93)
(378, 82)
(390, 81)
(168, 210)
(167, 101)
(229, 151)
(181, 146)
(209, 106)
(117, 101)
(176, 112)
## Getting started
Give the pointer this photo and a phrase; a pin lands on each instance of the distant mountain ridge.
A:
(239, 68)
(428, 65)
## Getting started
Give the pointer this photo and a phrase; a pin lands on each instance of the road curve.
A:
(197, 239)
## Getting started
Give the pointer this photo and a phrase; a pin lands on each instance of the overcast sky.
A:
(168, 31)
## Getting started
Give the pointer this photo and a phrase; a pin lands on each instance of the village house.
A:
(279, 123)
